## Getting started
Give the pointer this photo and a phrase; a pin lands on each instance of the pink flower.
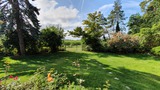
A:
(10, 76)
(16, 78)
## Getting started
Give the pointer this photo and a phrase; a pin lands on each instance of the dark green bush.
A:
(121, 43)
(92, 44)
(45, 50)
(12, 46)
(52, 37)
(156, 51)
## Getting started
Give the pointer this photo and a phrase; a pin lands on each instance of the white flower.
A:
(110, 72)
(116, 78)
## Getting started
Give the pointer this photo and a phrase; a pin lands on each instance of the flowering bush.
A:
(123, 43)
(42, 81)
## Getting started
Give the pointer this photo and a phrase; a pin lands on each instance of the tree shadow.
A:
(137, 56)
(96, 74)
(133, 80)
(92, 71)
(140, 56)
(29, 64)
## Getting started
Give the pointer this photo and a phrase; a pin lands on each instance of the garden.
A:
(132, 71)
(105, 57)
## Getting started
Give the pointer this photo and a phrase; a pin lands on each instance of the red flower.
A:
(10, 76)
(16, 78)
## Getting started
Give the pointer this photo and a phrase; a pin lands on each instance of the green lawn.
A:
(124, 72)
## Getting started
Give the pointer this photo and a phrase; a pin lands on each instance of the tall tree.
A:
(19, 16)
(151, 10)
(92, 32)
(116, 17)
(135, 23)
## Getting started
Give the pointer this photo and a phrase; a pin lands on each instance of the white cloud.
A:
(131, 4)
(105, 7)
(130, 7)
(52, 14)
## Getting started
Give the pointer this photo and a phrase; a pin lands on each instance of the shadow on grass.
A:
(29, 64)
(137, 56)
(93, 72)
(96, 74)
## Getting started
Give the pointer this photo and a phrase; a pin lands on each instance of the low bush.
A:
(121, 43)
(156, 51)
(45, 50)
(43, 81)
(40, 81)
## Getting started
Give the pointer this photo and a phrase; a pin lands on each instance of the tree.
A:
(52, 37)
(92, 32)
(116, 17)
(19, 16)
(135, 23)
(151, 10)
(150, 36)
(77, 32)
(2, 23)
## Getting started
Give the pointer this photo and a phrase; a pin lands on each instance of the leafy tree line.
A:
(21, 28)
(147, 25)
(98, 29)
(106, 33)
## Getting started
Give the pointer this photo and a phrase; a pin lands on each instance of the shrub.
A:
(45, 50)
(43, 81)
(52, 37)
(11, 44)
(121, 43)
(91, 43)
(149, 37)
(156, 51)
(40, 81)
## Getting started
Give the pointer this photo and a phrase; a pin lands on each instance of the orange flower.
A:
(49, 74)
(49, 78)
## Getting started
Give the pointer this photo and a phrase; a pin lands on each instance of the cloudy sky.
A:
(70, 13)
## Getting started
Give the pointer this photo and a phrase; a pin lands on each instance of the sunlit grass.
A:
(124, 72)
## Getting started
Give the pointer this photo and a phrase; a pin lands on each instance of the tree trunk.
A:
(21, 41)
(117, 27)
(18, 18)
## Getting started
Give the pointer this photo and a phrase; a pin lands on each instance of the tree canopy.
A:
(116, 17)
(92, 32)
(19, 16)
(151, 9)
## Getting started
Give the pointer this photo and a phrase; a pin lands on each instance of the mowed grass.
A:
(124, 72)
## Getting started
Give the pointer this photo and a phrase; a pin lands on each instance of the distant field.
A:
(124, 72)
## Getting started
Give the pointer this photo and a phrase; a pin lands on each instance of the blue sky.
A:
(70, 13)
